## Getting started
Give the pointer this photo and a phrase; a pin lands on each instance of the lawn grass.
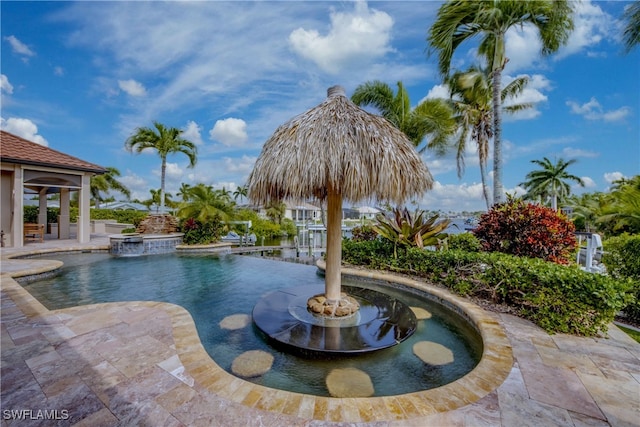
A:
(631, 332)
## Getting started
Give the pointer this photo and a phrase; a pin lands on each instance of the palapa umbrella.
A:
(332, 152)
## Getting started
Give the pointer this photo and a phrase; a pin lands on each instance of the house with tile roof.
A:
(30, 168)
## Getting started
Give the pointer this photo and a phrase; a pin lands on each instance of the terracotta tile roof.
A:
(14, 149)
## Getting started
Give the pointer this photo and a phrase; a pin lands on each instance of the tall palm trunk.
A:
(485, 186)
(497, 134)
(163, 171)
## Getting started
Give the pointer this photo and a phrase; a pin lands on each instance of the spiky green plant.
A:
(406, 229)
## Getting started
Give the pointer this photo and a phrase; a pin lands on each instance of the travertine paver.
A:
(143, 364)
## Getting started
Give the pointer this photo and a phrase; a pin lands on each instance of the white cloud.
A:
(24, 128)
(353, 38)
(591, 26)
(613, 176)
(616, 115)
(230, 132)
(532, 93)
(577, 152)
(58, 71)
(242, 165)
(438, 91)
(173, 176)
(20, 48)
(452, 197)
(5, 86)
(592, 110)
(192, 133)
(522, 47)
(173, 171)
(136, 184)
(588, 182)
(132, 87)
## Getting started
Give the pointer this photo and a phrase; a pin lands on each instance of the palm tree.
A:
(165, 141)
(205, 204)
(431, 117)
(458, 21)
(622, 212)
(275, 210)
(107, 182)
(587, 208)
(240, 192)
(471, 97)
(157, 200)
(184, 191)
(551, 180)
(631, 33)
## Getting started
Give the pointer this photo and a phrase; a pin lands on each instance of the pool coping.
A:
(492, 370)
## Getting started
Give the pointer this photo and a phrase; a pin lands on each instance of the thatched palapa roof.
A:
(337, 147)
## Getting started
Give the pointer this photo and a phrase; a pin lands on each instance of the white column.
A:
(17, 204)
(84, 216)
(42, 206)
(64, 218)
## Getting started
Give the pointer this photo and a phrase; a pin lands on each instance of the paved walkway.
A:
(142, 364)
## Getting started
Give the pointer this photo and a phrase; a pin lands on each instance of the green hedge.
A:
(31, 214)
(557, 298)
(123, 217)
(622, 259)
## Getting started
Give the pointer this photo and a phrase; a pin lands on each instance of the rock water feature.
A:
(158, 224)
(156, 234)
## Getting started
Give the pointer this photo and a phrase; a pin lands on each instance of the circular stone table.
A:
(381, 322)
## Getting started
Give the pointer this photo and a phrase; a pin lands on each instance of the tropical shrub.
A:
(524, 229)
(266, 228)
(622, 259)
(199, 233)
(373, 253)
(363, 233)
(411, 230)
(464, 242)
(557, 298)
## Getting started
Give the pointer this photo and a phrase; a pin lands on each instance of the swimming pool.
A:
(212, 288)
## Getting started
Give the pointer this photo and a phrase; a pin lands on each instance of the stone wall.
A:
(158, 224)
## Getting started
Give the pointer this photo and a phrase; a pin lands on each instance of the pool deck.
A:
(141, 363)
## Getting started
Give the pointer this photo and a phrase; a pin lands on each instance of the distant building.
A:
(124, 206)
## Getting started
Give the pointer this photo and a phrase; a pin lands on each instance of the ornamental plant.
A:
(411, 230)
(363, 233)
(201, 233)
(524, 229)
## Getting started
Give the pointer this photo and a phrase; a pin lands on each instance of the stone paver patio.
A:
(141, 363)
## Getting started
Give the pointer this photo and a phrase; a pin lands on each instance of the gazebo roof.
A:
(14, 149)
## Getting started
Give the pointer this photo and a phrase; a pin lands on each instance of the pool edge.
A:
(492, 370)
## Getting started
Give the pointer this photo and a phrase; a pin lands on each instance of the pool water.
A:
(212, 287)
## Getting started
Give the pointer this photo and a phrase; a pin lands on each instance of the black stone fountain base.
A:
(381, 322)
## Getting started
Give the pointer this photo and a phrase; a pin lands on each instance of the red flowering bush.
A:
(363, 233)
(528, 230)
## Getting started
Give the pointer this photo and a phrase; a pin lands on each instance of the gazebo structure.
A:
(332, 152)
(30, 168)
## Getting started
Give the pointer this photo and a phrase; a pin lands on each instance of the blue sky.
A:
(80, 77)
